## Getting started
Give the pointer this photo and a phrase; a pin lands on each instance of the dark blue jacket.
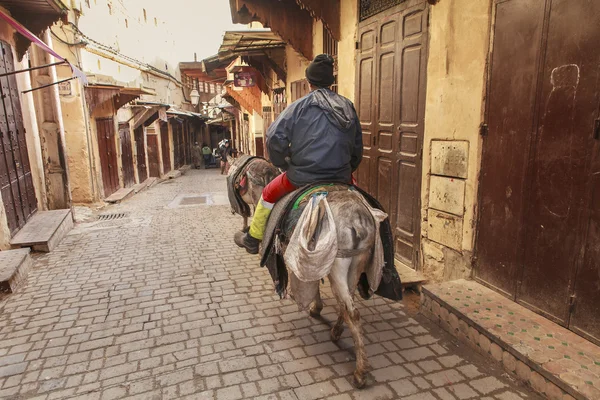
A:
(317, 138)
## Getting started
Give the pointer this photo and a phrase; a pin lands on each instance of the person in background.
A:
(197, 155)
(317, 138)
(225, 153)
(206, 153)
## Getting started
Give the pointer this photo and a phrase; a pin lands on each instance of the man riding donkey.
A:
(316, 139)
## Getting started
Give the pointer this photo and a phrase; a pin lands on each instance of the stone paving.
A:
(160, 304)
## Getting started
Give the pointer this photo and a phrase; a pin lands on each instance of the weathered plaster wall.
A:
(346, 48)
(296, 66)
(451, 155)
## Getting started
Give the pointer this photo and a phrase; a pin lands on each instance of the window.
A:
(212, 87)
(330, 46)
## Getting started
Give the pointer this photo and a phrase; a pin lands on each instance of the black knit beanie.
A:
(320, 72)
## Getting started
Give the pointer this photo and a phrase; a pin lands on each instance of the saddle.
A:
(235, 177)
(280, 226)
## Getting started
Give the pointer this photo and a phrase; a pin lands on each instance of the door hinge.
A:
(597, 129)
(483, 129)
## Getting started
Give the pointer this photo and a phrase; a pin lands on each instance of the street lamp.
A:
(195, 97)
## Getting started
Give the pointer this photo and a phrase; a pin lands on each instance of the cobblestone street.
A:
(158, 303)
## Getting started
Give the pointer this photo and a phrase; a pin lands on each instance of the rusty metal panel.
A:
(140, 149)
(108, 155)
(510, 114)
(153, 156)
(126, 155)
(560, 157)
(165, 147)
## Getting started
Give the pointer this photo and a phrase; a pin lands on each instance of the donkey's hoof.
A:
(315, 312)
(336, 333)
(359, 380)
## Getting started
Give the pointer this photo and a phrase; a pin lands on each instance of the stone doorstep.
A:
(551, 359)
(14, 267)
(44, 231)
(151, 182)
(120, 195)
(408, 276)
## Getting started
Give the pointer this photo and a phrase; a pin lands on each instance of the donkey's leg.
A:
(341, 281)
(245, 228)
(317, 306)
(338, 328)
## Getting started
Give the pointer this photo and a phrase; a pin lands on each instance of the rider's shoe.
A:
(244, 240)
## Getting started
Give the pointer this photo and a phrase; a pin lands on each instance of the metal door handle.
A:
(597, 129)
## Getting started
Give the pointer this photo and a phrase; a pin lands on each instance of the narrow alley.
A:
(154, 301)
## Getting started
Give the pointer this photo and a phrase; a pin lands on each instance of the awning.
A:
(260, 49)
(97, 95)
(248, 97)
(38, 42)
(291, 22)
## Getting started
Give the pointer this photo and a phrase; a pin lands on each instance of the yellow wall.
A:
(454, 110)
(346, 48)
(296, 66)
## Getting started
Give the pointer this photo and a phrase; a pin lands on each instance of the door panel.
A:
(153, 156)
(126, 155)
(364, 106)
(140, 154)
(108, 155)
(411, 84)
(391, 102)
(562, 151)
(510, 114)
(16, 182)
(165, 148)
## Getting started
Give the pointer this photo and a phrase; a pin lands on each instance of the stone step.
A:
(553, 360)
(14, 267)
(44, 231)
(151, 182)
(173, 174)
(120, 195)
(408, 276)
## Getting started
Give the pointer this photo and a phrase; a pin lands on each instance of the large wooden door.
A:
(391, 102)
(126, 155)
(140, 149)
(538, 236)
(16, 183)
(153, 156)
(108, 155)
(165, 148)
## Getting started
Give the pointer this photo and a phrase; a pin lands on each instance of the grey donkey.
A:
(355, 228)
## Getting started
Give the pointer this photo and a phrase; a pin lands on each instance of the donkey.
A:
(258, 173)
(356, 234)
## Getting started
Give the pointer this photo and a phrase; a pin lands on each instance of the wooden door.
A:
(108, 155)
(391, 102)
(299, 89)
(16, 182)
(140, 149)
(153, 156)
(165, 148)
(126, 155)
(538, 237)
(258, 145)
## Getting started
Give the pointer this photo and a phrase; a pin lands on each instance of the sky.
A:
(196, 25)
